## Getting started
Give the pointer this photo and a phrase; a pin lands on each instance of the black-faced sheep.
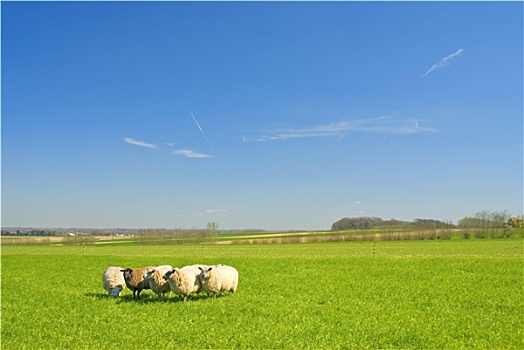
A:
(184, 281)
(113, 281)
(135, 279)
(157, 283)
(216, 279)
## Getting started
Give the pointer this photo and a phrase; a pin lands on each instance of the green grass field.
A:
(451, 294)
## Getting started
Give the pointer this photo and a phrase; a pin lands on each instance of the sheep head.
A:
(204, 273)
(149, 273)
(127, 273)
(168, 274)
(115, 292)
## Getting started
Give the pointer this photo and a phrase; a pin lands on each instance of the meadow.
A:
(431, 294)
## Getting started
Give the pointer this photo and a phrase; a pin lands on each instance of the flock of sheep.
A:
(161, 279)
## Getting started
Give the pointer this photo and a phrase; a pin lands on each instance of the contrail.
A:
(443, 62)
(202, 131)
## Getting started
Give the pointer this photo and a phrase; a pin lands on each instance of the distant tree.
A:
(366, 223)
(359, 223)
(212, 230)
(432, 224)
(485, 219)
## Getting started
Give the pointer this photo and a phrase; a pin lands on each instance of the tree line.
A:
(52, 232)
(479, 220)
(486, 219)
(369, 223)
(32, 233)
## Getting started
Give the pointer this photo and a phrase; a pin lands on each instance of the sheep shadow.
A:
(98, 296)
(144, 299)
(153, 299)
(148, 298)
(123, 298)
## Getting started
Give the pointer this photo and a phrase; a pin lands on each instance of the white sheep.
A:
(216, 279)
(113, 281)
(156, 280)
(184, 281)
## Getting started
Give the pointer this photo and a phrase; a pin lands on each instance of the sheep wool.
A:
(217, 279)
(184, 281)
(136, 279)
(156, 280)
(113, 281)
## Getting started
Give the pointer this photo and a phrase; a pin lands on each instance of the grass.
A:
(395, 294)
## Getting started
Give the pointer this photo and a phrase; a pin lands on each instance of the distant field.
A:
(194, 236)
(265, 237)
(432, 294)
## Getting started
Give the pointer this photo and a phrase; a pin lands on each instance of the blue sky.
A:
(268, 115)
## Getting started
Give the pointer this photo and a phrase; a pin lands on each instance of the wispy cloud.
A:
(140, 143)
(63, 183)
(215, 211)
(443, 62)
(191, 154)
(181, 152)
(382, 125)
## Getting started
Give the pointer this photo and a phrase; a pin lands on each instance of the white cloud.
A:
(63, 183)
(182, 152)
(216, 211)
(443, 62)
(140, 143)
(191, 154)
(383, 125)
